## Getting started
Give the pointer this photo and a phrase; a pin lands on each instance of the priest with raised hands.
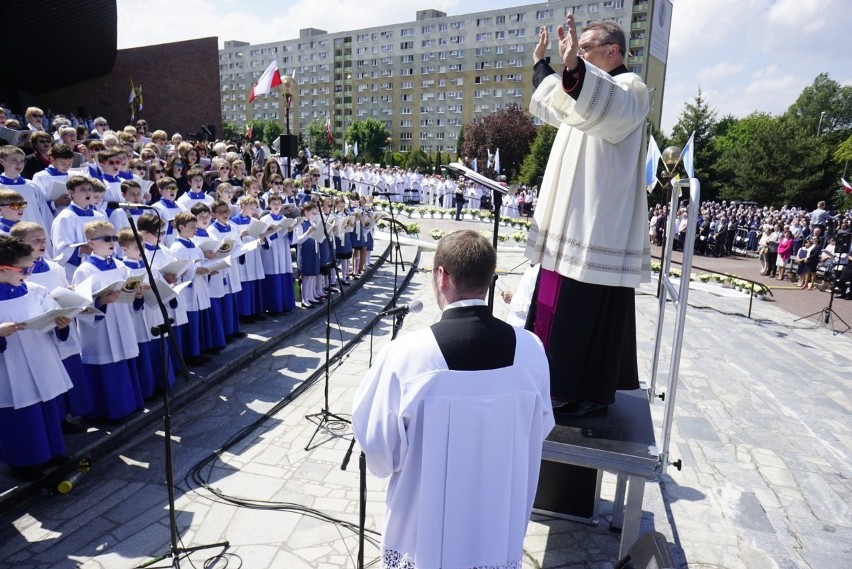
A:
(591, 226)
(456, 415)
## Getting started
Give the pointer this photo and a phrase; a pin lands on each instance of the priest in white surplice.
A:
(456, 415)
(591, 225)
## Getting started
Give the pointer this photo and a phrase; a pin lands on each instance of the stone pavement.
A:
(762, 425)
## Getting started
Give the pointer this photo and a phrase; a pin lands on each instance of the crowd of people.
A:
(790, 242)
(231, 241)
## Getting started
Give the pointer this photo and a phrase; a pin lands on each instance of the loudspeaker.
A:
(288, 145)
(567, 489)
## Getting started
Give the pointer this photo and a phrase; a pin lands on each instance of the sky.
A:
(744, 55)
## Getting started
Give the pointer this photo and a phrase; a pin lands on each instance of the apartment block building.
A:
(426, 78)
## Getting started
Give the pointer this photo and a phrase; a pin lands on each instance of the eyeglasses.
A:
(159, 171)
(36, 116)
(139, 168)
(106, 238)
(277, 183)
(178, 164)
(15, 206)
(171, 188)
(25, 271)
(224, 168)
(100, 124)
(45, 141)
(114, 162)
(587, 49)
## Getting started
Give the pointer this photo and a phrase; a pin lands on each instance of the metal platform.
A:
(621, 442)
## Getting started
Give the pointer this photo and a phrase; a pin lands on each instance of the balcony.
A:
(638, 26)
(637, 43)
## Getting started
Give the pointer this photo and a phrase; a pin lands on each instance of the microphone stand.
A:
(324, 416)
(362, 461)
(498, 192)
(167, 338)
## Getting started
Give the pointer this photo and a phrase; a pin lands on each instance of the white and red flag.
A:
(270, 78)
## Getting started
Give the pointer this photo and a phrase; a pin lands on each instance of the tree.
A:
(510, 130)
(536, 161)
(761, 158)
(318, 139)
(826, 96)
(419, 160)
(230, 131)
(699, 118)
(372, 138)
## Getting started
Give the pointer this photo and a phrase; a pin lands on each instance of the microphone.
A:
(124, 205)
(414, 306)
(386, 194)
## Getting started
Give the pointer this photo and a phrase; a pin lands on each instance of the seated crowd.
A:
(230, 242)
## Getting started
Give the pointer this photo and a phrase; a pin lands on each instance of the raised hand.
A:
(568, 44)
(541, 46)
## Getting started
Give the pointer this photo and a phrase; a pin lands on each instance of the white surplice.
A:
(462, 448)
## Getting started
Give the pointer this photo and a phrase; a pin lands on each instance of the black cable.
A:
(198, 474)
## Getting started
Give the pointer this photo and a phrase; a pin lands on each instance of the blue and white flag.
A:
(488, 164)
(687, 155)
(345, 148)
(355, 149)
(497, 161)
(474, 166)
(652, 160)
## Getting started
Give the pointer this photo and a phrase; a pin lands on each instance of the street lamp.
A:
(286, 143)
(819, 126)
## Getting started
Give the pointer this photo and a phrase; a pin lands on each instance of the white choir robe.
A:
(66, 231)
(277, 258)
(112, 338)
(37, 209)
(42, 180)
(167, 211)
(197, 296)
(415, 421)
(230, 277)
(591, 227)
(158, 258)
(52, 279)
(31, 369)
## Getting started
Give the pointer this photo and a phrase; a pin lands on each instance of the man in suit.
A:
(456, 415)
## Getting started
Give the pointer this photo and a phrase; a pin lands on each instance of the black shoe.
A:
(196, 361)
(237, 335)
(581, 409)
(71, 427)
(246, 319)
(58, 460)
(26, 473)
(261, 317)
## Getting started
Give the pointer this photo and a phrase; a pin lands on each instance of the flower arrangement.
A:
(412, 229)
(436, 234)
(520, 236)
(502, 238)
(382, 225)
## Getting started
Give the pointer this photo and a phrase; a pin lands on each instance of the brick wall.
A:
(180, 88)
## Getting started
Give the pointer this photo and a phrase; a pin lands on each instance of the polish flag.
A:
(329, 135)
(846, 186)
(270, 78)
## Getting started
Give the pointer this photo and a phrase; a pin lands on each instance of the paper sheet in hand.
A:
(319, 234)
(67, 298)
(167, 292)
(257, 227)
(217, 264)
(249, 246)
(47, 321)
(55, 190)
(209, 245)
(14, 137)
(176, 267)
(126, 287)
(288, 222)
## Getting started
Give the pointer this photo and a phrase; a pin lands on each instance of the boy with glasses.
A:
(167, 207)
(12, 158)
(33, 381)
(12, 206)
(110, 346)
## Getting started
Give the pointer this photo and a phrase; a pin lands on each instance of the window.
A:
(442, 27)
(405, 123)
(428, 29)
(406, 85)
(406, 59)
(405, 45)
(543, 14)
(480, 22)
(457, 25)
(592, 8)
(483, 36)
(406, 32)
(500, 19)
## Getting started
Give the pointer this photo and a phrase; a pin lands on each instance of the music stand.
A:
(498, 192)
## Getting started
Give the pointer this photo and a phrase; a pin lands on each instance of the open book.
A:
(14, 137)
(55, 189)
(177, 267)
(167, 292)
(127, 288)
